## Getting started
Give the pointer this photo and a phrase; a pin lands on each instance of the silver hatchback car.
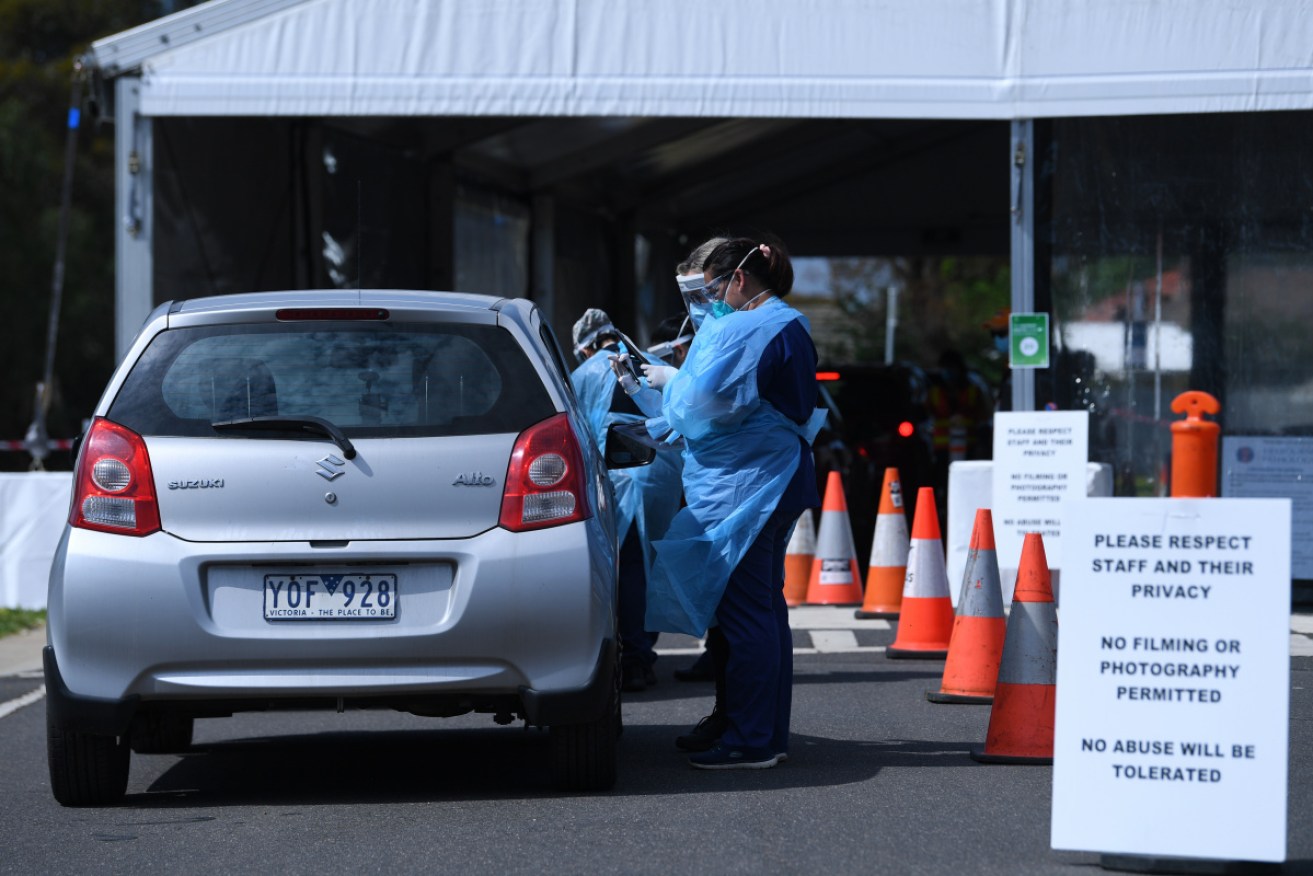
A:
(333, 500)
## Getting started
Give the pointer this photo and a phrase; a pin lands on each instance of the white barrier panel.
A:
(971, 486)
(33, 509)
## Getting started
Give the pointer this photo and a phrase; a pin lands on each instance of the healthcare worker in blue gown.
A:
(745, 403)
(646, 498)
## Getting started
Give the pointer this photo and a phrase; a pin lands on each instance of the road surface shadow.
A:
(407, 766)
(668, 689)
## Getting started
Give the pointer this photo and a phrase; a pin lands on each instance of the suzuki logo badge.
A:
(330, 467)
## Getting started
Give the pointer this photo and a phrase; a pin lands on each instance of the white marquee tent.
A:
(629, 67)
(997, 59)
(651, 59)
(854, 59)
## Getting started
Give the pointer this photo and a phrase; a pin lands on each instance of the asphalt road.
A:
(878, 781)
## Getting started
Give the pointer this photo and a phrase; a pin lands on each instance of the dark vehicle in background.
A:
(878, 418)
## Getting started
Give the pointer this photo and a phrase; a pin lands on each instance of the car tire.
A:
(161, 734)
(86, 769)
(584, 756)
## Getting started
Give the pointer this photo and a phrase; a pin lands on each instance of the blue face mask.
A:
(719, 308)
(1001, 343)
(698, 312)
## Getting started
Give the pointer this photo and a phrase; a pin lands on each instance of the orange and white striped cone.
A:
(798, 558)
(888, 569)
(925, 620)
(834, 578)
(1021, 721)
(976, 647)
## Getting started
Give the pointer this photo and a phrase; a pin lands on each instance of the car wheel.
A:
(161, 734)
(86, 769)
(584, 756)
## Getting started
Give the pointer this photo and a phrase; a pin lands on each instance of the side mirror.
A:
(628, 445)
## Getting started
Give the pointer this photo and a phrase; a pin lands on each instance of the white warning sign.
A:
(1173, 676)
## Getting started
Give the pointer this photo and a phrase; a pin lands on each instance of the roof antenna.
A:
(360, 239)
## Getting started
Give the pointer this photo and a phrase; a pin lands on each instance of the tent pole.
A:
(39, 433)
(134, 294)
(1023, 246)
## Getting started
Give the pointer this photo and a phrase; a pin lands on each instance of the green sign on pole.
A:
(1028, 340)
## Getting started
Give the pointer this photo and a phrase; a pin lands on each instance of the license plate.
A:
(330, 597)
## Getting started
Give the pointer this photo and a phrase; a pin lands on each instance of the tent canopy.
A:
(932, 59)
(849, 127)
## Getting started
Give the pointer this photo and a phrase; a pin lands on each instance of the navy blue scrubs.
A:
(753, 614)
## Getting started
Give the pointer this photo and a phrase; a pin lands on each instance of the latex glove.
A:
(623, 368)
(658, 375)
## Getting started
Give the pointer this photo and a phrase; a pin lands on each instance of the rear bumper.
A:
(107, 717)
(83, 714)
(162, 621)
(582, 704)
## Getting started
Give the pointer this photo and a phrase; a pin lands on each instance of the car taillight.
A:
(114, 489)
(545, 480)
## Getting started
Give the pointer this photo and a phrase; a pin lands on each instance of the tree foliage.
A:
(39, 43)
(942, 302)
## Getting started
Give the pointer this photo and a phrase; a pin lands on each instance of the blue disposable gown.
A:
(739, 455)
(645, 496)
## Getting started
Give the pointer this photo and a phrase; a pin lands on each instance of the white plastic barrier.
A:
(33, 509)
(971, 486)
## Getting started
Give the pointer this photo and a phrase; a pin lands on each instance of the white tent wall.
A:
(1004, 60)
(33, 509)
(997, 59)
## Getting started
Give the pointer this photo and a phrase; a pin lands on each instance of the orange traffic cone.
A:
(1021, 721)
(798, 558)
(884, 578)
(978, 630)
(925, 621)
(834, 579)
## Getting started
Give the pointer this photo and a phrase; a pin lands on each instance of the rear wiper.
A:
(316, 425)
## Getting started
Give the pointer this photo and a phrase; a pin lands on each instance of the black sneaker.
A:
(722, 758)
(705, 735)
(632, 678)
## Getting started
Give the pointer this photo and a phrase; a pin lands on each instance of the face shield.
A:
(690, 287)
(708, 299)
(586, 329)
(586, 341)
(693, 289)
(665, 351)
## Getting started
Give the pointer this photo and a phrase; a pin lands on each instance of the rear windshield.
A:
(370, 379)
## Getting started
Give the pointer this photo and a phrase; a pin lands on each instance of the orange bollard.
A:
(798, 560)
(888, 568)
(1194, 446)
(1025, 698)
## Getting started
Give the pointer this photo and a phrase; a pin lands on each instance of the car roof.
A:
(398, 298)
